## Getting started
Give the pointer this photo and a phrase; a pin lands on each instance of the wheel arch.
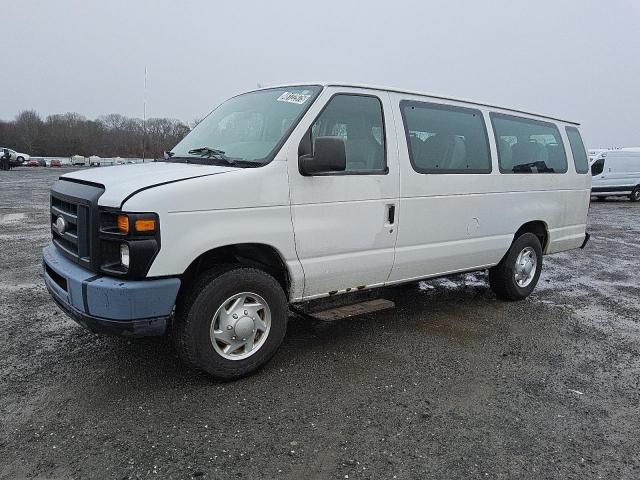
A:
(257, 255)
(539, 228)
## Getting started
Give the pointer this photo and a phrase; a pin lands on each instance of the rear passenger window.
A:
(357, 119)
(445, 138)
(577, 149)
(528, 146)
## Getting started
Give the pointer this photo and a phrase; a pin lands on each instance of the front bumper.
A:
(109, 305)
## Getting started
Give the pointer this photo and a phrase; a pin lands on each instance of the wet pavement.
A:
(452, 383)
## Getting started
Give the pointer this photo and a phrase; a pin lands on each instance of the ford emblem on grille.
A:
(61, 225)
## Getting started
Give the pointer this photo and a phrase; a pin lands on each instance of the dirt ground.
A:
(452, 383)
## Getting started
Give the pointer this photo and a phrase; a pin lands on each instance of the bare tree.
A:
(27, 127)
(72, 134)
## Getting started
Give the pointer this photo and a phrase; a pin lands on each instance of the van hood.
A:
(123, 181)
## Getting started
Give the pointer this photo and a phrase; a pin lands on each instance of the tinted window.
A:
(445, 139)
(597, 167)
(577, 149)
(358, 120)
(528, 146)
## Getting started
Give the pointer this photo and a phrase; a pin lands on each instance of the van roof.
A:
(624, 151)
(426, 94)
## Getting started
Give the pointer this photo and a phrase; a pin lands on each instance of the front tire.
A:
(517, 274)
(635, 194)
(231, 322)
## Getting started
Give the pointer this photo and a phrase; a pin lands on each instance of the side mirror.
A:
(329, 155)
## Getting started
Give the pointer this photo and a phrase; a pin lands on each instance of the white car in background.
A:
(17, 157)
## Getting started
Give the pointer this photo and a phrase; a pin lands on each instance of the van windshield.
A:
(247, 129)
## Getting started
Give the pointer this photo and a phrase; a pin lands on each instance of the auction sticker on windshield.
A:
(298, 98)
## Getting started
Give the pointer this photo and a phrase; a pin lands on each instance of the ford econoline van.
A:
(296, 193)
(617, 174)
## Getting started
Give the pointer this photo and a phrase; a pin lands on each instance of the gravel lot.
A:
(452, 383)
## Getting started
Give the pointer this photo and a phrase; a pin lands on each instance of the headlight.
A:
(128, 243)
(124, 255)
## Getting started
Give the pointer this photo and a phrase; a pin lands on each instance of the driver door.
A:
(345, 222)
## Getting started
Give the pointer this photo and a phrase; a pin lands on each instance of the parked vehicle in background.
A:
(16, 158)
(303, 192)
(617, 174)
(56, 163)
(78, 160)
(42, 162)
(32, 163)
(12, 154)
(21, 157)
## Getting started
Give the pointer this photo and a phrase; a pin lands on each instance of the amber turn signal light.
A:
(123, 224)
(145, 225)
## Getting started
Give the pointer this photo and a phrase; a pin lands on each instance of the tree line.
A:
(113, 135)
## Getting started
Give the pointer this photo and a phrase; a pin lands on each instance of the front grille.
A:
(75, 237)
(75, 203)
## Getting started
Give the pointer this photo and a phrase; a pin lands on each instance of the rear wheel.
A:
(635, 194)
(232, 322)
(515, 277)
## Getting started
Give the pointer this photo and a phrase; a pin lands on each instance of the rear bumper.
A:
(109, 305)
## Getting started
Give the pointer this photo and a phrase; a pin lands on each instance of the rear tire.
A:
(231, 322)
(517, 274)
(635, 194)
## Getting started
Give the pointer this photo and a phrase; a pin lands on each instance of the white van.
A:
(294, 193)
(617, 174)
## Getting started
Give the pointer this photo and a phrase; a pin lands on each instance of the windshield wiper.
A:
(211, 152)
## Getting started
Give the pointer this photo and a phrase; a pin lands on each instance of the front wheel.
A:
(635, 194)
(515, 277)
(232, 322)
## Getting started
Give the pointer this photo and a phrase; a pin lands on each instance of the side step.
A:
(346, 311)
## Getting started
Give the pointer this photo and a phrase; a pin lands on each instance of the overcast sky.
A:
(577, 59)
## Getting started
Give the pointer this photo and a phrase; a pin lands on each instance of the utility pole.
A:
(144, 115)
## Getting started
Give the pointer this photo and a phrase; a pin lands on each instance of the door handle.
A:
(391, 213)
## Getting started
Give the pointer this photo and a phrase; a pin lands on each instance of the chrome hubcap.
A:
(525, 268)
(240, 326)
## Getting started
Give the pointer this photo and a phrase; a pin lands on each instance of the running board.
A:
(347, 311)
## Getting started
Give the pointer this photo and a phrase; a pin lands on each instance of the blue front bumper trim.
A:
(107, 304)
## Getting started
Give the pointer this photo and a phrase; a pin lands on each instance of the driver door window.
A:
(358, 120)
